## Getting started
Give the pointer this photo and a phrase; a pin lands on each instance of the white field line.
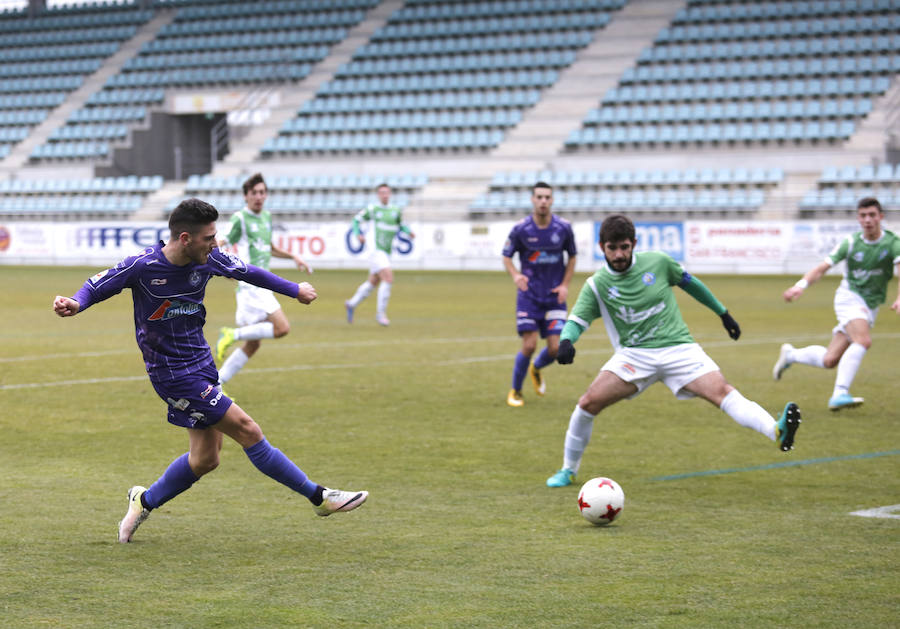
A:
(373, 364)
(890, 511)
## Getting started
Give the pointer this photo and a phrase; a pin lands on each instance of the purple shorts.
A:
(547, 318)
(194, 401)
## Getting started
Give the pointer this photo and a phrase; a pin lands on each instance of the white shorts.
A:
(675, 366)
(378, 261)
(849, 306)
(254, 304)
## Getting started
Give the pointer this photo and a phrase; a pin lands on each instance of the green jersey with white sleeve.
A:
(870, 265)
(638, 306)
(387, 221)
(252, 234)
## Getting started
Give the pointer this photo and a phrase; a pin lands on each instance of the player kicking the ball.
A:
(633, 294)
(168, 283)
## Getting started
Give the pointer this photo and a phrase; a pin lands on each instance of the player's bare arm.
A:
(896, 305)
(810, 277)
(520, 280)
(278, 252)
(65, 306)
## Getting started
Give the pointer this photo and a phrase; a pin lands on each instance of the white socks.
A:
(847, 368)
(361, 293)
(748, 414)
(813, 355)
(255, 331)
(581, 424)
(232, 365)
(384, 294)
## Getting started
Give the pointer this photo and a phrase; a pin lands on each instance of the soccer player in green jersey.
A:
(259, 315)
(632, 292)
(387, 222)
(871, 254)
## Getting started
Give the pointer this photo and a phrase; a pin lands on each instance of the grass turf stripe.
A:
(770, 466)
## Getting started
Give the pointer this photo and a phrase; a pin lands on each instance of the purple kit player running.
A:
(543, 282)
(167, 283)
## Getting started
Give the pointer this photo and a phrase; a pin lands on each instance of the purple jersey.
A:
(168, 305)
(541, 257)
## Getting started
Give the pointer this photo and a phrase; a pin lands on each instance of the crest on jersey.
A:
(858, 256)
(648, 278)
(613, 292)
(99, 276)
(194, 278)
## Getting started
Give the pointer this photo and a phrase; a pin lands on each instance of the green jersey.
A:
(252, 233)
(870, 265)
(638, 306)
(387, 220)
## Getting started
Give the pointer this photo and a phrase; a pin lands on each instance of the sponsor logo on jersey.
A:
(630, 315)
(171, 309)
(864, 274)
(648, 278)
(542, 257)
(881, 255)
(158, 281)
(99, 276)
(629, 368)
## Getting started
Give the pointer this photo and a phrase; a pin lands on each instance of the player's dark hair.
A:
(541, 184)
(869, 202)
(616, 228)
(254, 180)
(383, 184)
(190, 215)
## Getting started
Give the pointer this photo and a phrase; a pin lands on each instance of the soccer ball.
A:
(601, 500)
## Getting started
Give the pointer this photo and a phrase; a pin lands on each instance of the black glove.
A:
(734, 330)
(566, 352)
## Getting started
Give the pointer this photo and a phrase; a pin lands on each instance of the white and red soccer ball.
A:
(601, 500)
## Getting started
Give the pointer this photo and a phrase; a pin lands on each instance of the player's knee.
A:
(205, 462)
(590, 405)
(830, 361)
(865, 341)
(281, 330)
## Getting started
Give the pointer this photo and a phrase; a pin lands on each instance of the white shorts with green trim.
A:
(674, 366)
(254, 304)
(849, 306)
(378, 261)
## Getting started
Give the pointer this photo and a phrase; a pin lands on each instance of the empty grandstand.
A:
(673, 109)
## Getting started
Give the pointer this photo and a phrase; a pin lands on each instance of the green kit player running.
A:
(872, 255)
(633, 294)
(387, 221)
(259, 315)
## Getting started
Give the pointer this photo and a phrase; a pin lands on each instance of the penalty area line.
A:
(771, 466)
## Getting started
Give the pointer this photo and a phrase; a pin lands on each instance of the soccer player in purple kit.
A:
(541, 240)
(168, 283)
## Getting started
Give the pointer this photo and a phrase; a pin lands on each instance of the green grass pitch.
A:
(459, 530)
